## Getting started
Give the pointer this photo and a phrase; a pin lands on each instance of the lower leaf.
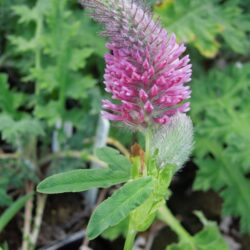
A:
(119, 205)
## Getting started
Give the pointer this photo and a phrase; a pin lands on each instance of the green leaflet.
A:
(119, 205)
(81, 180)
(144, 215)
(13, 210)
(113, 158)
(84, 179)
(112, 233)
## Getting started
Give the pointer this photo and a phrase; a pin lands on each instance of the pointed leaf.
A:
(13, 210)
(119, 205)
(81, 180)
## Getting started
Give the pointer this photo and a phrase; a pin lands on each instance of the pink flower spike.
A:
(184, 108)
(145, 64)
(145, 72)
(162, 120)
(154, 91)
(111, 116)
(148, 107)
(143, 95)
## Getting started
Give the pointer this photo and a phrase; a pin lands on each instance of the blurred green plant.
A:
(203, 24)
(220, 106)
(12, 210)
(220, 110)
(53, 91)
(59, 52)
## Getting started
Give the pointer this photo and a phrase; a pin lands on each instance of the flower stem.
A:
(166, 216)
(148, 136)
(130, 238)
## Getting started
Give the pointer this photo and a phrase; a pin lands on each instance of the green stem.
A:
(130, 238)
(166, 216)
(148, 137)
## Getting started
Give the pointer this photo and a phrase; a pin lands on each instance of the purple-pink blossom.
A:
(145, 72)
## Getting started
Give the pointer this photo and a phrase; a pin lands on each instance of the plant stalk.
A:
(41, 201)
(27, 218)
(148, 137)
(165, 215)
(130, 238)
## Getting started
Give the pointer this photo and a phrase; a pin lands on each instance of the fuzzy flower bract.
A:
(145, 72)
(174, 141)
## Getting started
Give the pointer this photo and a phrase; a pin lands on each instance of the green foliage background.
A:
(220, 99)
(51, 64)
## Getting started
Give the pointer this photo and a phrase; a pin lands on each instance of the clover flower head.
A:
(145, 72)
